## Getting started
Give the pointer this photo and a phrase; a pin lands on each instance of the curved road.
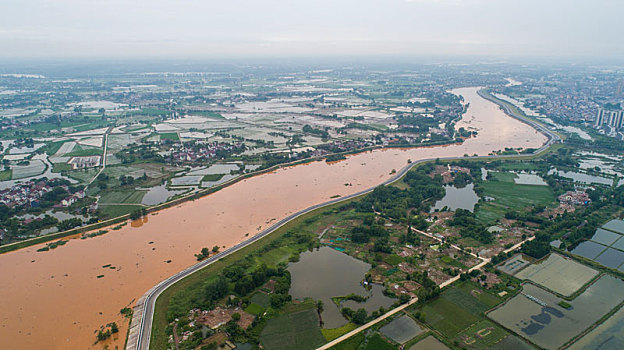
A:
(144, 310)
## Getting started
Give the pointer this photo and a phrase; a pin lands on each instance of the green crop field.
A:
(512, 342)
(457, 308)
(486, 300)
(262, 299)
(52, 147)
(518, 196)
(331, 334)
(376, 342)
(129, 197)
(170, 136)
(111, 211)
(254, 309)
(213, 177)
(85, 151)
(6, 175)
(297, 330)
(448, 317)
(510, 196)
(350, 344)
(276, 256)
(481, 335)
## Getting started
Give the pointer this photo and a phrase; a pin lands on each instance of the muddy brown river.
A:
(55, 300)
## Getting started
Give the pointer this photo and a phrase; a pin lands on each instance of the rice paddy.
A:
(536, 315)
(558, 274)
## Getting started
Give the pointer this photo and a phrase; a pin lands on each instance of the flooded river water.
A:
(55, 300)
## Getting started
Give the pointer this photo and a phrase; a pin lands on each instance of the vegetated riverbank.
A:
(166, 244)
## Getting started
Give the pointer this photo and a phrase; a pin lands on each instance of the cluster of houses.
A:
(24, 193)
(73, 198)
(30, 193)
(205, 151)
(574, 198)
(84, 162)
(342, 146)
(219, 316)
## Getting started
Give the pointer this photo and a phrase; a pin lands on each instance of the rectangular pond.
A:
(529, 179)
(514, 264)
(605, 237)
(608, 335)
(558, 274)
(535, 314)
(615, 226)
(611, 258)
(589, 249)
(402, 329)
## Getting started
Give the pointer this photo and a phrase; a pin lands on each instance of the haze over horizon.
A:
(243, 28)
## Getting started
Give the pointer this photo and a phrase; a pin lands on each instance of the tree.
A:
(359, 317)
(215, 249)
(205, 251)
(319, 306)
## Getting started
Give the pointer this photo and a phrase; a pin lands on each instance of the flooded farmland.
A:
(608, 335)
(54, 300)
(159, 194)
(559, 274)
(606, 245)
(536, 315)
(529, 179)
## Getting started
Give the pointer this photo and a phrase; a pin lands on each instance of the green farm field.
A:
(297, 330)
(352, 343)
(377, 342)
(458, 308)
(125, 197)
(510, 196)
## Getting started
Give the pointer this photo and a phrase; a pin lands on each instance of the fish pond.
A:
(581, 177)
(159, 194)
(457, 198)
(326, 273)
(606, 245)
(536, 315)
(559, 274)
(608, 335)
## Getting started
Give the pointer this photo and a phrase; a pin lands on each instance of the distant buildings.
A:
(611, 118)
(84, 162)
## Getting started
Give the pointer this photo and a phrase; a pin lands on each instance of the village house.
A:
(575, 198)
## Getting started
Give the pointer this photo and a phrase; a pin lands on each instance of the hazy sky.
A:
(288, 28)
